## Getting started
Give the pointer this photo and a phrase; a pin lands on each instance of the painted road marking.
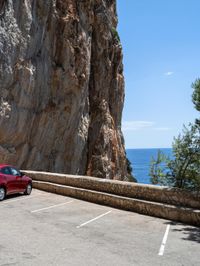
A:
(94, 219)
(53, 206)
(162, 247)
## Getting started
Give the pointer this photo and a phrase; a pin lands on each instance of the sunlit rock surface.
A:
(61, 87)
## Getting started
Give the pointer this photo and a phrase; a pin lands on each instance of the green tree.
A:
(183, 170)
(196, 97)
(158, 165)
(196, 94)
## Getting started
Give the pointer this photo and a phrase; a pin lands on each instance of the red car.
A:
(13, 181)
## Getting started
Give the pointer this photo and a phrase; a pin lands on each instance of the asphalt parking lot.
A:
(48, 229)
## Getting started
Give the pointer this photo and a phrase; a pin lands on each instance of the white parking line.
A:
(53, 206)
(94, 219)
(162, 247)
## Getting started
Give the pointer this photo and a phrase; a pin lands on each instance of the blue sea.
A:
(140, 161)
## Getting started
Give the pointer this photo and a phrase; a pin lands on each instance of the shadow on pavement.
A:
(190, 233)
(13, 196)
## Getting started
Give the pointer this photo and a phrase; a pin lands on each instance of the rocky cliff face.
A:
(61, 87)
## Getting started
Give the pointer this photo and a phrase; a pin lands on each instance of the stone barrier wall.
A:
(166, 195)
(170, 212)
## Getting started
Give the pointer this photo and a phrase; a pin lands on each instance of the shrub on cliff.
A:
(115, 34)
(129, 177)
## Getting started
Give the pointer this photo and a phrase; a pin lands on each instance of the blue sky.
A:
(161, 47)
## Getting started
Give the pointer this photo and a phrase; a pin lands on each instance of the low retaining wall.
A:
(181, 214)
(162, 202)
(167, 195)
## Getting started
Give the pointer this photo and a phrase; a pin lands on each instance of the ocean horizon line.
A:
(140, 160)
(148, 148)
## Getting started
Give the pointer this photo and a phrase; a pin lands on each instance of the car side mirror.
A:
(21, 174)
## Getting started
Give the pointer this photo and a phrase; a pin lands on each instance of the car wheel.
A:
(2, 193)
(28, 189)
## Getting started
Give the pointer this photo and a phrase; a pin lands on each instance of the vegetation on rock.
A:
(129, 176)
(115, 34)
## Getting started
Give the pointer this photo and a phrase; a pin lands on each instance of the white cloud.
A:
(136, 125)
(142, 125)
(169, 73)
(162, 128)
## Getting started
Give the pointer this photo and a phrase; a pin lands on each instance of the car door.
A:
(9, 180)
(17, 179)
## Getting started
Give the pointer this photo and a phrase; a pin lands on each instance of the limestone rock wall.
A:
(61, 87)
